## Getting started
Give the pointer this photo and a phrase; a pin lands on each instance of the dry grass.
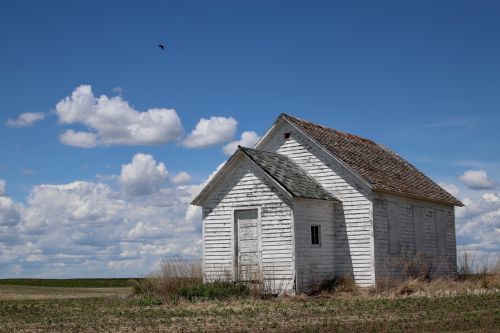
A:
(172, 277)
(440, 286)
(14, 292)
(183, 280)
(463, 312)
(471, 266)
(413, 278)
(178, 280)
(415, 305)
(165, 285)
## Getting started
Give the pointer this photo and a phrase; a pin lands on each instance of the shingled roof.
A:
(383, 169)
(288, 174)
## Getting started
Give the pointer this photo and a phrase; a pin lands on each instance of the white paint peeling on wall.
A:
(353, 218)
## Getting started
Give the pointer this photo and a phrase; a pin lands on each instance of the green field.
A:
(31, 308)
(82, 283)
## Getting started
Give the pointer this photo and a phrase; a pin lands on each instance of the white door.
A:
(247, 245)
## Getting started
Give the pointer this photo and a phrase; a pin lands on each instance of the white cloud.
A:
(491, 197)
(478, 224)
(112, 121)
(79, 139)
(10, 217)
(477, 180)
(143, 175)
(145, 230)
(248, 139)
(2, 187)
(9, 212)
(26, 119)
(87, 225)
(181, 178)
(450, 188)
(85, 229)
(78, 107)
(60, 205)
(193, 214)
(213, 131)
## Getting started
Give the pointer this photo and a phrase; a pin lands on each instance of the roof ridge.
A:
(331, 129)
(265, 151)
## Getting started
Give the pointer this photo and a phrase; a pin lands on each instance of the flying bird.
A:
(162, 47)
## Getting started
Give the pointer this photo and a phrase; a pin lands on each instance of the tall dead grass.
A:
(178, 280)
(469, 265)
(398, 272)
(172, 277)
(337, 284)
(413, 277)
(181, 279)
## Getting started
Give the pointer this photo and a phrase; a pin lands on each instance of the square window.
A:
(316, 235)
(287, 135)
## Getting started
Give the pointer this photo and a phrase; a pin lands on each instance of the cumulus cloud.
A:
(181, 178)
(9, 212)
(79, 139)
(89, 225)
(147, 230)
(248, 139)
(477, 180)
(85, 229)
(491, 197)
(25, 119)
(10, 217)
(478, 222)
(143, 175)
(450, 188)
(193, 214)
(112, 121)
(478, 225)
(213, 131)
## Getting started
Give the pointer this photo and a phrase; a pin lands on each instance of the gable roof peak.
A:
(288, 174)
(354, 136)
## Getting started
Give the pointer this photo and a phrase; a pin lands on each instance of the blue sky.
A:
(420, 77)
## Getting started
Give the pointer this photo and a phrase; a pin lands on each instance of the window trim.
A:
(318, 226)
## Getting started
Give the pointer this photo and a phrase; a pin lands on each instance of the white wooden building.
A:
(309, 203)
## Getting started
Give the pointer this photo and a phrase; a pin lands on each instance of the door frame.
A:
(234, 234)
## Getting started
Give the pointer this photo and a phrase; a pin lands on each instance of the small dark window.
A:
(287, 135)
(316, 235)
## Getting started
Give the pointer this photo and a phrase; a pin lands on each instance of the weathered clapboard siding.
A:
(366, 234)
(313, 263)
(417, 232)
(247, 186)
(353, 218)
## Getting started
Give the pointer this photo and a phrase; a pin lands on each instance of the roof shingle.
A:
(288, 174)
(378, 165)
